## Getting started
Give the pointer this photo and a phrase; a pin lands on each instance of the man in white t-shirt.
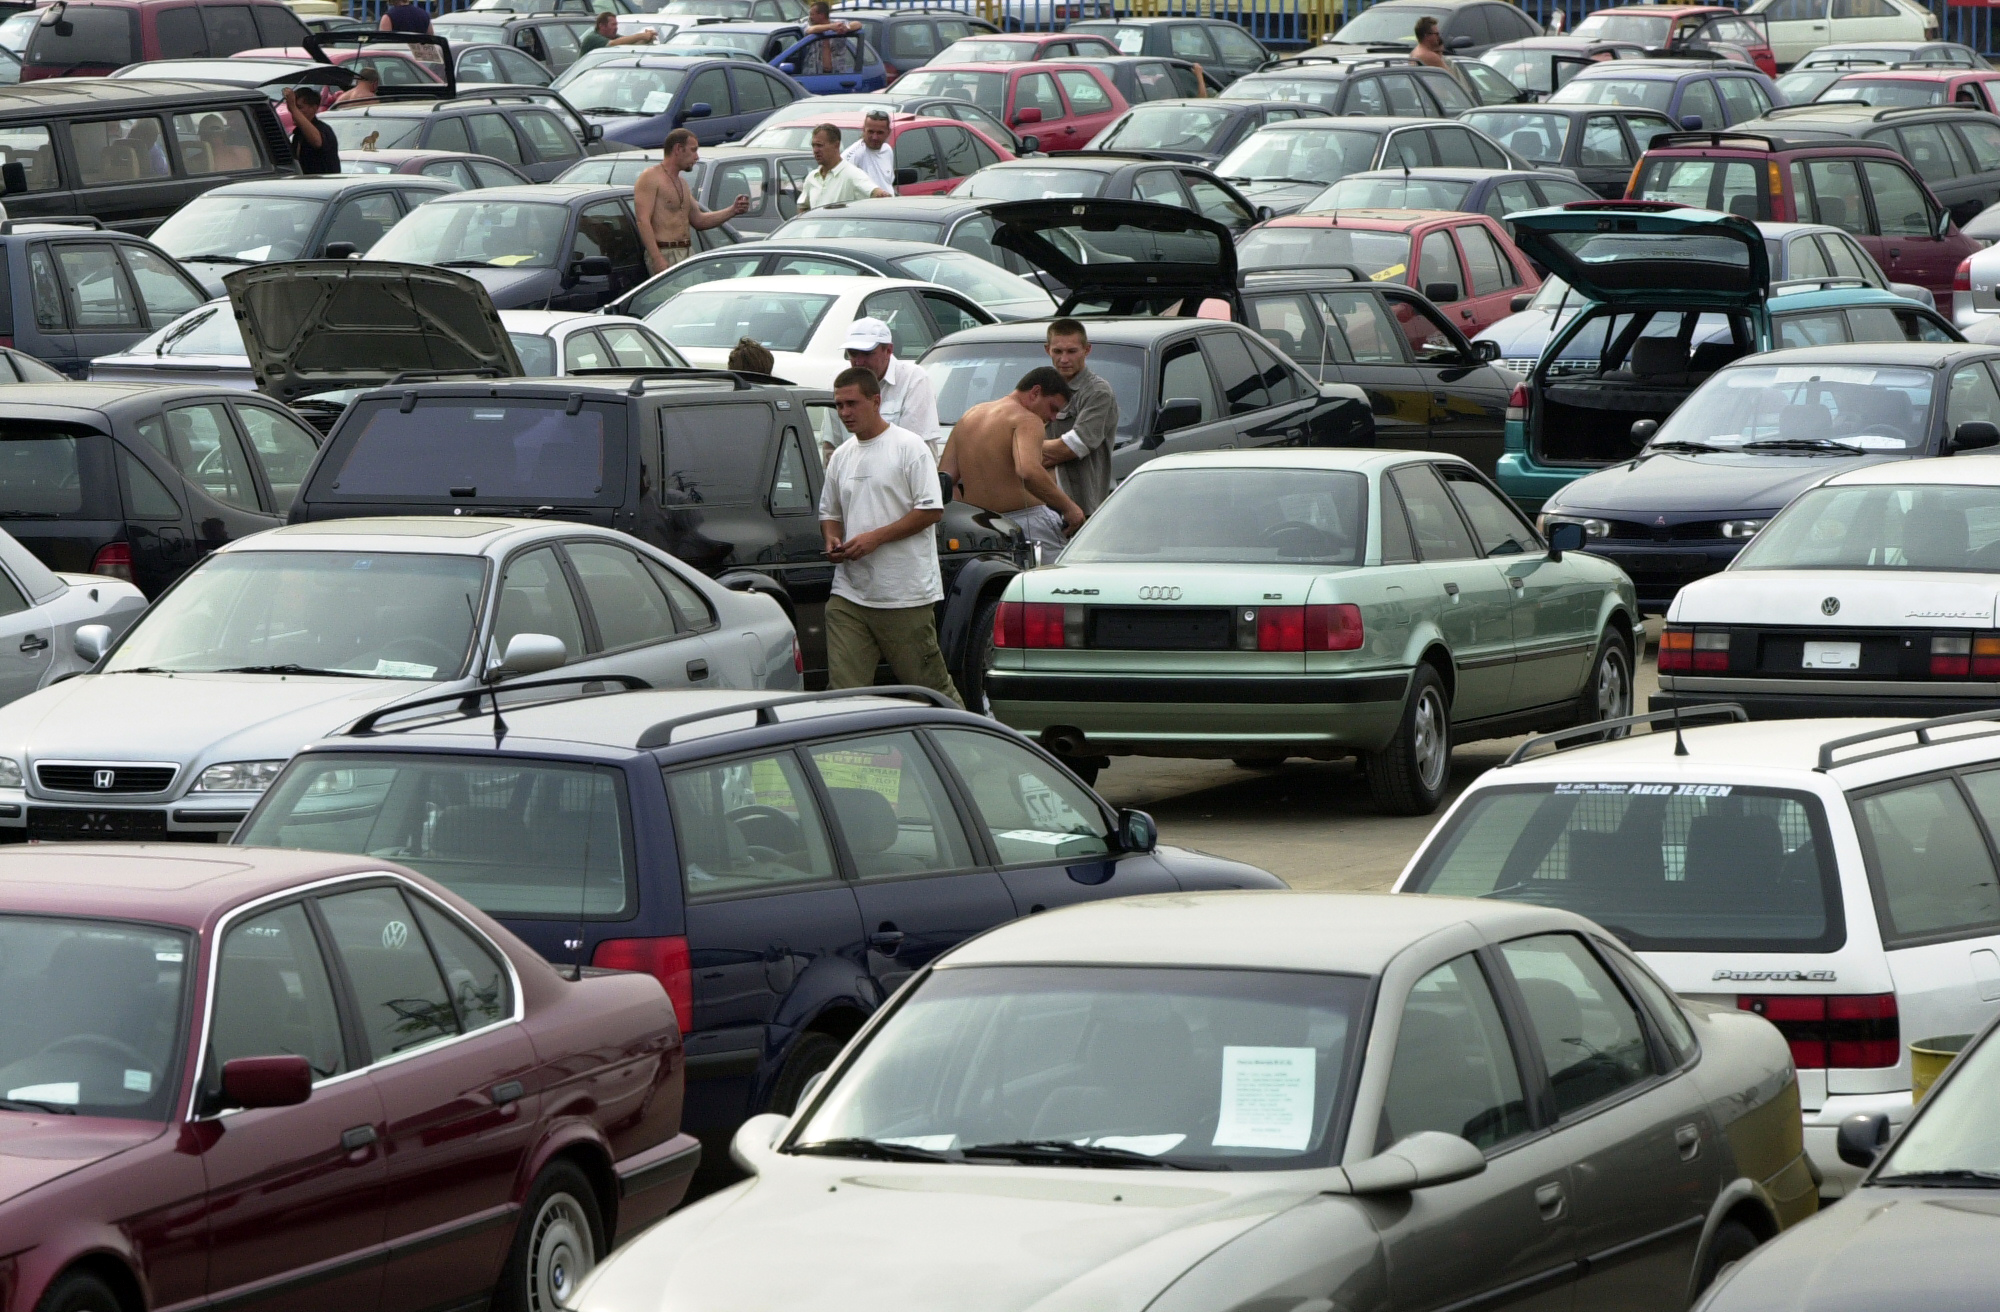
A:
(877, 510)
(907, 398)
(873, 154)
(835, 181)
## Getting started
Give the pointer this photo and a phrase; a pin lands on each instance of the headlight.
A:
(1742, 528)
(10, 773)
(238, 777)
(1592, 528)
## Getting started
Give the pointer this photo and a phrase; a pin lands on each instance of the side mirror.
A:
(906, 177)
(1974, 435)
(1178, 413)
(266, 1081)
(1031, 145)
(340, 250)
(529, 653)
(1460, 42)
(1565, 537)
(1265, 214)
(755, 1141)
(699, 109)
(1487, 351)
(593, 132)
(1692, 122)
(1137, 832)
(594, 266)
(1940, 228)
(13, 177)
(1520, 303)
(1862, 1137)
(90, 642)
(1426, 1158)
(1441, 293)
(1643, 430)
(1029, 115)
(789, 69)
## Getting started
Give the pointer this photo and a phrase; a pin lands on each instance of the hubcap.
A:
(1614, 688)
(1432, 752)
(560, 1254)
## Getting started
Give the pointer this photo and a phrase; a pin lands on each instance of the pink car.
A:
(1061, 105)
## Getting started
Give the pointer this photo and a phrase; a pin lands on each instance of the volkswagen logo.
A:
(103, 778)
(395, 934)
(1159, 594)
(1831, 606)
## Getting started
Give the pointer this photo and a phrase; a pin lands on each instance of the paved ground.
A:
(1308, 822)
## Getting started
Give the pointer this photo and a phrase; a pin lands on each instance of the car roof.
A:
(1347, 459)
(1814, 298)
(537, 321)
(1119, 330)
(1678, 11)
(938, 208)
(1919, 355)
(1457, 173)
(1000, 66)
(1148, 22)
(58, 93)
(1352, 122)
(1566, 107)
(1383, 220)
(1948, 472)
(96, 396)
(744, 25)
(556, 193)
(861, 248)
(1759, 744)
(799, 284)
(434, 535)
(1929, 73)
(328, 184)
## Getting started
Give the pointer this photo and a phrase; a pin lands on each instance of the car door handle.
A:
(357, 1138)
(34, 642)
(1895, 252)
(887, 939)
(1688, 1139)
(1451, 589)
(1517, 583)
(1549, 1201)
(503, 1094)
(697, 669)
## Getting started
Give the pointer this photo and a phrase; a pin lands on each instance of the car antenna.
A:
(492, 684)
(1680, 744)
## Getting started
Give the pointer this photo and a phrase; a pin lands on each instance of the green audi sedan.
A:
(1256, 605)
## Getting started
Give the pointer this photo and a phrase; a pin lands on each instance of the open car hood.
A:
(317, 325)
(1119, 249)
(1630, 251)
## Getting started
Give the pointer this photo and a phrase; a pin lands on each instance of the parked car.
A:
(531, 129)
(557, 344)
(467, 172)
(1892, 52)
(761, 41)
(932, 155)
(1220, 46)
(1697, 95)
(1384, 86)
(1194, 131)
(833, 63)
(946, 220)
(1799, 27)
(289, 219)
(1540, 64)
(897, 100)
(1676, 29)
(1953, 148)
(1928, 85)
(1062, 105)
(1866, 187)
(1599, 144)
(552, 40)
(636, 99)
(89, 38)
(1489, 86)
(1803, 85)
(1143, 79)
(1469, 27)
(1115, 176)
(1285, 165)
(491, 62)
(1002, 294)
(44, 610)
(1493, 192)
(770, 176)
(74, 290)
(547, 247)
(1010, 47)
(910, 37)
(172, 1023)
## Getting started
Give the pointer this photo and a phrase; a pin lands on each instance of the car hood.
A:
(314, 325)
(1119, 247)
(1283, 197)
(1616, 251)
(1875, 1249)
(1798, 596)
(37, 1148)
(515, 289)
(1673, 483)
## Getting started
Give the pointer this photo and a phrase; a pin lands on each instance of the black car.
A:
(911, 37)
(533, 248)
(1964, 183)
(555, 41)
(1598, 143)
(1198, 131)
(1149, 77)
(1375, 86)
(1105, 175)
(534, 130)
(1222, 48)
(1287, 165)
(769, 175)
(1469, 27)
(947, 220)
(75, 290)
(1495, 192)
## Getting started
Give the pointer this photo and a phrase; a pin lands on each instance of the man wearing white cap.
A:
(907, 398)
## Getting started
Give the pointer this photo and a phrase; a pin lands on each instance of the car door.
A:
(360, 222)
(102, 307)
(958, 155)
(25, 635)
(632, 625)
(921, 886)
(282, 447)
(202, 441)
(802, 568)
(1466, 397)
(520, 69)
(909, 329)
(1363, 344)
(290, 1189)
(1700, 108)
(756, 96)
(1492, 281)
(916, 150)
(162, 536)
(123, 171)
(711, 87)
(1907, 222)
(555, 146)
(1473, 601)
(950, 313)
(1036, 93)
(1939, 159)
(535, 597)
(1262, 419)
(1798, 27)
(1184, 376)
(1092, 103)
(493, 135)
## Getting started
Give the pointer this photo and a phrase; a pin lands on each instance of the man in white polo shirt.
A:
(835, 180)
(873, 154)
(907, 398)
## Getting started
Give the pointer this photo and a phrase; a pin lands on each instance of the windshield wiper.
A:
(464, 264)
(1802, 444)
(612, 109)
(1295, 182)
(1953, 1176)
(218, 258)
(288, 669)
(875, 1148)
(1063, 1153)
(32, 1105)
(29, 514)
(1697, 448)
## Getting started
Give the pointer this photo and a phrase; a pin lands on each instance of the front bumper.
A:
(196, 819)
(1796, 699)
(1837, 1178)
(1660, 571)
(1203, 715)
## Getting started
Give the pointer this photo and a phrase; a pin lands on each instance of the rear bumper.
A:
(1823, 702)
(1197, 715)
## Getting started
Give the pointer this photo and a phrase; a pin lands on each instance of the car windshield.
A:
(351, 165)
(1319, 92)
(798, 136)
(984, 50)
(249, 229)
(1638, 92)
(1886, 92)
(1374, 253)
(1921, 528)
(1322, 155)
(85, 35)
(1129, 40)
(1387, 23)
(378, 615)
(1104, 1067)
(1857, 406)
(986, 90)
(94, 1010)
(1680, 866)
(538, 354)
(720, 316)
(831, 225)
(361, 130)
(987, 284)
(1252, 516)
(501, 233)
(210, 330)
(1646, 29)
(619, 90)
(1031, 184)
(514, 838)
(517, 451)
(704, 38)
(707, 8)
(1804, 84)
(1399, 192)
(1538, 138)
(1957, 1138)
(967, 374)
(1531, 68)
(1167, 127)
(16, 30)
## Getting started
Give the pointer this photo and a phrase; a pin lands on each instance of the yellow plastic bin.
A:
(1929, 1057)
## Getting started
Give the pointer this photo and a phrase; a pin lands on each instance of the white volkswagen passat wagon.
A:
(1837, 877)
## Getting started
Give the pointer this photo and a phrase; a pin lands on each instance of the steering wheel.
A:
(779, 832)
(102, 1041)
(1291, 528)
(416, 644)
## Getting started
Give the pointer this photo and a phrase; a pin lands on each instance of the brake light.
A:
(1309, 628)
(1676, 649)
(113, 559)
(1517, 405)
(1961, 281)
(1845, 1031)
(665, 959)
(1281, 628)
(1028, 624)
(798, 657)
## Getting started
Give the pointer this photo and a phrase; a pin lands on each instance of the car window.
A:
(1440, 533)
(1698, 100)
(1920, 328)
(585, 351)
(910, 333)
(545, 132)
(1805, 259)
(1184, 377)
(1604, 143)
(890, 807)
(284, 447)
(957, 153)
(1489, 268)
(717, 455)
(535, 598)
(1845, 259)
(1971, 398)
(1900, 207)
(755, 93)
(99, 298)
(949, 314)
(449, 134)
(791, 491)
(213, 141)
(1398, 547)
(230, 29)
(635, 347)
(627, 602)
(1445, 89)
(1237, 46)
(1282, 382)
(1188, 41)
(518, 68)
(474, 976)
(1437, 262)
(1085, 96)
(1924, 146)
(1983, 141)
(1590, 1039)
(562, 45)
(1211, 201)
(1365, 97)
(273, 997)
(1510, 198)
(913, 41)
(491, 135)
(607, 229)
(146, 497)
(1454, 1070)
(395, 981)
(1500, 529)
(1364, 326)
(363, 220)
(478, 66)
(1405, 101)
(493, 175)
(179, 33)
(1739, 96)
(1822, 329)
(1031, 809)
(1242, 387)
(915, 149)
(1160, 187)
(164, 292)
(1292, 324)
(202, 444)
(1038, 91)
(1931, 866)
(1836, 195)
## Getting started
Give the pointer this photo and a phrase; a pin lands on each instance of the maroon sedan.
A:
(285, 1080)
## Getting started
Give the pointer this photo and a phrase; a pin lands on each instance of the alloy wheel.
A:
(1430, 739)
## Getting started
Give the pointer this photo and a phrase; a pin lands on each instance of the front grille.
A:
(1152, 628)
(108, 778)
(1625, 530)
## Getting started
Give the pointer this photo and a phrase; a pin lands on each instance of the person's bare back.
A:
(988, 441)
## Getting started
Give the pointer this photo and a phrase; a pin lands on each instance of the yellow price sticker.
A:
(1392, 271)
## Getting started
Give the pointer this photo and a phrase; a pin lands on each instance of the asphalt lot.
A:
(1308, 822)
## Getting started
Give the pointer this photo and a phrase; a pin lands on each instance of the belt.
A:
(675, 245)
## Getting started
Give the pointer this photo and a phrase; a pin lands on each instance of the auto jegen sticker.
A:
(1648, 790)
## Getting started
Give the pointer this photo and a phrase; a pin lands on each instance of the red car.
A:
(291, 1082)
(1061, 105)
(1465, 263)
(1010, 47)
(937, 151)
(1979, 87)
(1685, 27)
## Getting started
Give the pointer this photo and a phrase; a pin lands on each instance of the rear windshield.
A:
(47, 473)
(1693, 260)
(1382, 255)
(1638, 92)
(1537, 138)
(1254, 516)
(1885, 92)
(1667, 867)
(986, 90)
(1032, 184)
(534, 841)
(969, 374)
(86, 35)
(459, 450)
(1732, 186)
(1168, 127)
(884, 229)
(1955, 529)
(363, 131)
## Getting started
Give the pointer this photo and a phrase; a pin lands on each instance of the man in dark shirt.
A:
(406, 17)
(313, 142)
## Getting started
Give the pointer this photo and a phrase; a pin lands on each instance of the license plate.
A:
(62, 825)
(1832, 656)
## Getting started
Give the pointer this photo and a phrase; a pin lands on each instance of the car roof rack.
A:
(472, 700)
(438, 375)
(741, 380)
(53, 220)
(1954, 106)
(1787, 285)
(1595, 732)
(1843, 61)
(1245, 277)
(662, 734)
(1920, 728)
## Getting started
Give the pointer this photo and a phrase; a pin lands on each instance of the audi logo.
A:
(1159, 594)
(395, 934)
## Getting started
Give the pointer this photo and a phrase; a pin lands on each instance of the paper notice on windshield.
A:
(139, 1081)
(1393, 271)
(255, 253)
(1152, 1145)
(1267, 1098)
(64, 1094)
(403, 670)
(930, 1143)
(656, 102)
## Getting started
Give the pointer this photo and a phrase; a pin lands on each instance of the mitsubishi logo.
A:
(1831, 606)
(1157, 593)
(1660, 522)
(103, 778)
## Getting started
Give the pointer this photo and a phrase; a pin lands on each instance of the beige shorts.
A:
(672, 255)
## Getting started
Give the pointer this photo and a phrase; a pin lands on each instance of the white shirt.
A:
(878, 165)
(908, 402)
(843, 182)
(872, 484)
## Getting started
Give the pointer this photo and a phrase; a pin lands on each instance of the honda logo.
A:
(1159, 594)
(103, 778)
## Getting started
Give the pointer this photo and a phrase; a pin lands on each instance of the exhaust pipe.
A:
(1064, 741)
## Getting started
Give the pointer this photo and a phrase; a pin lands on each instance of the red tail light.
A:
(798, 657)
(1677, 650)
(1028, 624)
(1309, 628)
(1962, 280)
(114, 559)
(1517, 405)
(665, 959)
(1281, 628)
(1844, 1031)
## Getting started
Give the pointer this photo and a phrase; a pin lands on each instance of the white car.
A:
(1834, 876)
(804, 321)
(1798, 27)
(1254, 1100)
(40, 614)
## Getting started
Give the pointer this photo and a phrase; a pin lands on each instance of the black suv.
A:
(74, 290)
(534, 130)
(911, 37)
(1221, 47)
(722, 470)
(1377, 86)
(1110, 175)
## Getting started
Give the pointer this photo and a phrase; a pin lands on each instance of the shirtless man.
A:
(667, 212)
(995, 456)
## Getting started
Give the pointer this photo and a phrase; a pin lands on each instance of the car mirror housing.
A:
(947, 486)
(1565, 537)
(1643, 430)
(529, 653)
(1178, 413)
(1031, 145)
(1441, 293)
(906, 177)
(91, 641)
(594, 266)
(1940, 228)
(1032, 114)
(1137, 832)
(340, 250)
(1487, 351)
(1974, 435)
(1520, 303)
(1429, 1157)
(1691, 122)
(1460, 43)
(13, 177)
(789, 69)
(1265, 214)
(1861, 1138)
(699, 109)
(755, 1143)
(283, 1081)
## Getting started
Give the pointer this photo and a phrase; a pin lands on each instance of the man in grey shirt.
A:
(1078, 446)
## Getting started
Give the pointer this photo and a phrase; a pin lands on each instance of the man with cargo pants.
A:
(879, 504)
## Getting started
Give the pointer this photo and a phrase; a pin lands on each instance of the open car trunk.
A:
(1121, 256)
(1648, 362)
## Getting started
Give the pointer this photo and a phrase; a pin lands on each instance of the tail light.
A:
(1986, 656)
(1033, 624)
(798, 657)
(113, 559)
(1846, 1031)
(1694, 649)
(1951, 655)
(1517, 405)
(665, 959)
(1711, 649)
(1308, 628)
(1961, 281)
(1676, 649)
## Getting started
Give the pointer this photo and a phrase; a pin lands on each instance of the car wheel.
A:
(1733, 1241)
(559, 1240)
(813, 1053)
(1408, 777)
(79, 1291)
(978, 659)
(1607, 694)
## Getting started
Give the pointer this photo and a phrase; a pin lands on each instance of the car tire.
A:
(560, 1238)
(813, 1053)
(1410, 775)
(79, 1291)
(978, 658)
(1732, 1242)
(1607, 692)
